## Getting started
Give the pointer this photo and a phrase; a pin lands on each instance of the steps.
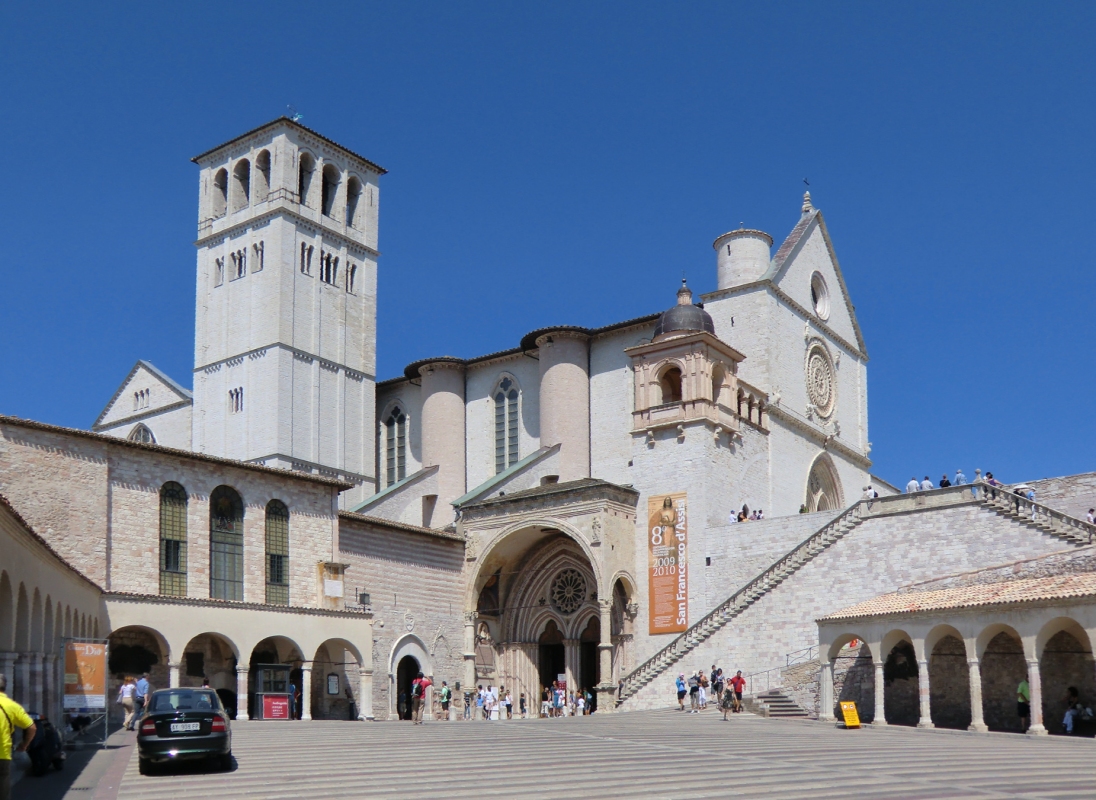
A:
(775, 703)
(749, 594)
(1036, 515)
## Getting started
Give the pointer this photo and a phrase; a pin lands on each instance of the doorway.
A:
(550, 660)
(589, 663)
(406, 672)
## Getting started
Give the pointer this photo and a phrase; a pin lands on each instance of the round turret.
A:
(742, 256)
(684, 317)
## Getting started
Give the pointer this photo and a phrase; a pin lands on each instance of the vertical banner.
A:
(667, 576)
(85, 675)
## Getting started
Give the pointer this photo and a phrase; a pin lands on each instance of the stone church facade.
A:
(558, 510)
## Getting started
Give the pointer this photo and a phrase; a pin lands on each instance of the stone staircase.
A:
(749, 594)
(1036, 515)
(774, 703)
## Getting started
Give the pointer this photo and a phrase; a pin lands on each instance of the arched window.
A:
(262, 176)
(351, 276)
(395, 445)
(173, 540)
(218, 271)
(304, 177)
(671, 385)
(330, 189)
(241, 184)
(506, 424)
(353, 195)
(306, 258)
(142, 434)
(226, 544)
(718, 376)
(277, 553)
(219, 193)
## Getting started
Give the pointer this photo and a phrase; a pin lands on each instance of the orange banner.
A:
(85, 675)
(667, 575)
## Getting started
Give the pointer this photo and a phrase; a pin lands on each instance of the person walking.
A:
(738, 683)
(694, 689)
(726, 703)
(913, 486)
(143, 691)
(702, 692)
(446, 695)
(681, 691)
(12, 716)
(717, 684)
(926, 485)
(509, 703)
(1091, 516)
(418, 697)
(126, 696)
(521, 705)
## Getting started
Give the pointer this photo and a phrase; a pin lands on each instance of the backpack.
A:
(416, 690)
(693, 682)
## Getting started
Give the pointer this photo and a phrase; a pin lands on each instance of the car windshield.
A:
(184, 700)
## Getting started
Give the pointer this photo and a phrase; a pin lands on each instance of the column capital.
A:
(306, 667)
(241, 669)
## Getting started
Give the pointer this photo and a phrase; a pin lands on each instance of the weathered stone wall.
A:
(1063, 562)
(854, 681)
(1065, 663)
(1002, 668)
(949, 684)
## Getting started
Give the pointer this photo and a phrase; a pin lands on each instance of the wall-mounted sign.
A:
(667, 574)
(333, 683)
(85, 675)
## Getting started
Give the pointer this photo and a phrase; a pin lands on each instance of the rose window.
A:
(820, 380)
(568, 591)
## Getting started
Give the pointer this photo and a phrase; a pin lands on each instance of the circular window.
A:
(820, 296)
(820, 384)
(568, 591)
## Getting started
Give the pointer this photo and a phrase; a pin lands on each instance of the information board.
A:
(85, 676)
(852, 718)
(667, 573)
(275, 706)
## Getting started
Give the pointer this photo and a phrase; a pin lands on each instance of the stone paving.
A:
(659, 754)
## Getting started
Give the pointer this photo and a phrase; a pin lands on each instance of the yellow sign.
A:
(85, 675)
(848, 711)
(667, 549)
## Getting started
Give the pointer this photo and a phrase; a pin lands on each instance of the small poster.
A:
(275, 706)
(848, 711)
(85, 676)
(667, 576)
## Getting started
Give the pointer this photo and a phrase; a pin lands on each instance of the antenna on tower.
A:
(293, 114)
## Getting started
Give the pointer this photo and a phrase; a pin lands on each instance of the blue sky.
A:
(564, 164)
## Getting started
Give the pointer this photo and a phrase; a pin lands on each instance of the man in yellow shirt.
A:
(12, 716)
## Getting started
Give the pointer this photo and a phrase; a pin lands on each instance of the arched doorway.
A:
(589, 667)
(1003, 666)
(949, 684)
(551, 658)
(336, 681)
(1064, 664)
(272, 651)
(212, 657)
(901, 702)
(406, 671)
(823, 486)
(135, 650)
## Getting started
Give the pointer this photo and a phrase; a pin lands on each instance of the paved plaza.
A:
(659, 754)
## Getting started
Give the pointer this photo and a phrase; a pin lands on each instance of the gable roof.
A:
(790, 248)
(184, 393)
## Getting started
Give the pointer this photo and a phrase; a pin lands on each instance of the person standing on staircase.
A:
(680, 684)
(926, 485)
(913, 486)
(694, 689)
(738, 683)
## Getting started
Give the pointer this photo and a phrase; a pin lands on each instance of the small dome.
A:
(685, 316)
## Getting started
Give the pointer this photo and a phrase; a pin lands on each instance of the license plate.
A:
(184, 727)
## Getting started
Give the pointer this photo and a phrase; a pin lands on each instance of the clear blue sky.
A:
(565, 163)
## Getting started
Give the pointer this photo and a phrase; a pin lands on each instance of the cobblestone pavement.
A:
(659, 754)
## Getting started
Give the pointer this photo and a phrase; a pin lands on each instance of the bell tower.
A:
(285, 324)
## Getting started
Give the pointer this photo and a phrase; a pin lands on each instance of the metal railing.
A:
(801, 656)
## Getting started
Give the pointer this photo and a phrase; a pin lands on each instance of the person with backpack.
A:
(12, 716)
(694, 694)
(703, 693)
(680, 684)
(717, 684)
(446, 694)
(418, 697)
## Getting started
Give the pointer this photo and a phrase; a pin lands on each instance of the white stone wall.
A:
(480, 382)
(877, 557)
(612, 400)
(171, 427)
(409, 397)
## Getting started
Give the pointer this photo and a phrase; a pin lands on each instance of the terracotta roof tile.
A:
(990, 594)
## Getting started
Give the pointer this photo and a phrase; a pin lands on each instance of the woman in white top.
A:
(126, 695)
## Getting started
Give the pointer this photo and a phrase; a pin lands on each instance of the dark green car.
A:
(183, 724)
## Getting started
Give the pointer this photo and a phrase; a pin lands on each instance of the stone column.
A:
(825, 692)
(1036, 684)
(49, 672)
(7, 667)
(241, 689)
(22, 685)
(923, 692)
(977, 718)
(572, 654)
(37, 679)
(880, 713)
(469, 681)
(365, 695)
(173, 675)
(306, 692)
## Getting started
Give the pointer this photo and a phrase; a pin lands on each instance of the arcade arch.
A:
(409, 656)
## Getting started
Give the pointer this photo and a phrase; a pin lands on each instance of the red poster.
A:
(667, 576)
(275, 706)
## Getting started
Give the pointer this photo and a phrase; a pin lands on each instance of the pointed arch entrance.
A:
(824, 486)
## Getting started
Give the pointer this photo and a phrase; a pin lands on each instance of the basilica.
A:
(563, 509)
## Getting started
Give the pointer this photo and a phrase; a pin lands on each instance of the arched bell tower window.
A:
(241, 184)
(395, 446)
(670, 382)
(304, 177)
(353, 196)
(219, 193)
(506, 424)
(330, 189)
(262, 176)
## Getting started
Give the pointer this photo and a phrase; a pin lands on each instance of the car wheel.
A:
(226, 761)
(58, 764)
(144, 766)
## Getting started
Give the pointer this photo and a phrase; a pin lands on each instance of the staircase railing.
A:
(1005, 498)
(721, 614)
